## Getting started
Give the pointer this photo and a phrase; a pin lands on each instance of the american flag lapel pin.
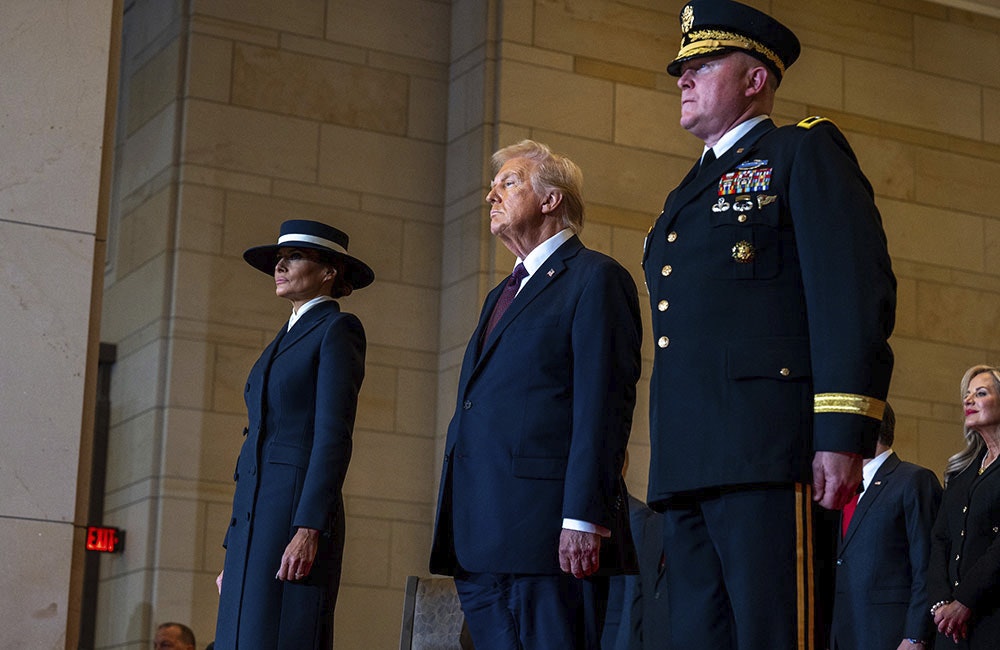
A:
(551, 272)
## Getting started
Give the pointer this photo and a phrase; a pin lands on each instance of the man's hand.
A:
(579, 552)
(836, 476)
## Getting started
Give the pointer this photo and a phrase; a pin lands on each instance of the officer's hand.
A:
(836, 476)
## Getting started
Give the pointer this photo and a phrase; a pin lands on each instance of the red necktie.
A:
(848, 513)
(506, 297)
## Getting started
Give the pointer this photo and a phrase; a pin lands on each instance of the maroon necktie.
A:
(506, 297)
(848, 513)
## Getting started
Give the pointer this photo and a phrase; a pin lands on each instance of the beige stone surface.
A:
(957, 182)
(957, 51)
(38, 554)
(556, 101)
(46, 295)
(933, 235)
(210, 65)
(608, 31)
(895, 94)
(296, 16)
(991, 115)
(408, 27)
(243, 140)
(327, 91)
(409, 456)
(367, 546)
(381, 164)
(857, 28)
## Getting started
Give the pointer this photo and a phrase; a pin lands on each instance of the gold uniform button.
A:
(663, 342)
(662, 306)
(784, 372)
(672, 237)
(742, 218)
(666, 270)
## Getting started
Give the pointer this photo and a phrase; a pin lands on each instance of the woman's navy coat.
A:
(301, 399)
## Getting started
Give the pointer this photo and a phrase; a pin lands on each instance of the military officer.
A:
(773, 299)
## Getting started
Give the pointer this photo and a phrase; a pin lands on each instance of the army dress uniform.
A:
(772, 300)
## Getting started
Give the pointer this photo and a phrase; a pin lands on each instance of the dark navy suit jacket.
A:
(881, 595)
(542, 419)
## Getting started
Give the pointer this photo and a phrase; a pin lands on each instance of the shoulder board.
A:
(810, 122)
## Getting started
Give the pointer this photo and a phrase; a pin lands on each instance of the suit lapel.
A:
(878, 484)
(541, 280)
(309, 321)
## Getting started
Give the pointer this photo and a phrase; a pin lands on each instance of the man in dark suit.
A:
(772, 302)
(881, 601)
(532, 512)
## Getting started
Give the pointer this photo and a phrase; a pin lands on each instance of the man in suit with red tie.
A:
(881, 599)
(532, 510)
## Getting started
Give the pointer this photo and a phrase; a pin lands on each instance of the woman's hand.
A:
(952, 620)
(218, 582)
(299, 555)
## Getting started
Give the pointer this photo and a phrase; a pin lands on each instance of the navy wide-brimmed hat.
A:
(302, 233)
(710, 27)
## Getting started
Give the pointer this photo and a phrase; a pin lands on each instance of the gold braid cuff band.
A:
(848, 403)
(711, 40)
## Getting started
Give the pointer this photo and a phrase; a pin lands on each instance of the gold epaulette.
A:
(848, 403)
(810, 122)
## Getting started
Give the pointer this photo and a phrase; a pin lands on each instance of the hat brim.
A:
(262, 258)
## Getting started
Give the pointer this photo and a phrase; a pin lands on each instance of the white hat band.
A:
(313, 240)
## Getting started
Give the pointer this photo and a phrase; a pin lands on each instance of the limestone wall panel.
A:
(210, 66)
(932, 235)
(328, 91)
(957, 51)
(408, 27)
(853, 27)
(242, 140)
(528, 96)
(296, 16)
(902, 96)
(381, 164)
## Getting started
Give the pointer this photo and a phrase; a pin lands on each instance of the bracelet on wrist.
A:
(939, 603)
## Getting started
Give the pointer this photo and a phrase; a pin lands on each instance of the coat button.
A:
(663, 342)
(784, 372)
(446, 458)
(245, 431)
(253, 471)
(742, 218)
(839, 561)
(662, 306)
(958, 557)
(467, 404)
(247, 389)
(233, 522)
(666, 270)
(248, 516)
(671, 236)
(965, 509)
(956, 583)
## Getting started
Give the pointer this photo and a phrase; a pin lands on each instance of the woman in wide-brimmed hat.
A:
(284, 545)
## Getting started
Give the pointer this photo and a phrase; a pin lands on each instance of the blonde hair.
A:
(973, 441)
(553, 172)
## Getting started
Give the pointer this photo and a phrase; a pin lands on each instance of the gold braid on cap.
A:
(848, 403)
(710, 40)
